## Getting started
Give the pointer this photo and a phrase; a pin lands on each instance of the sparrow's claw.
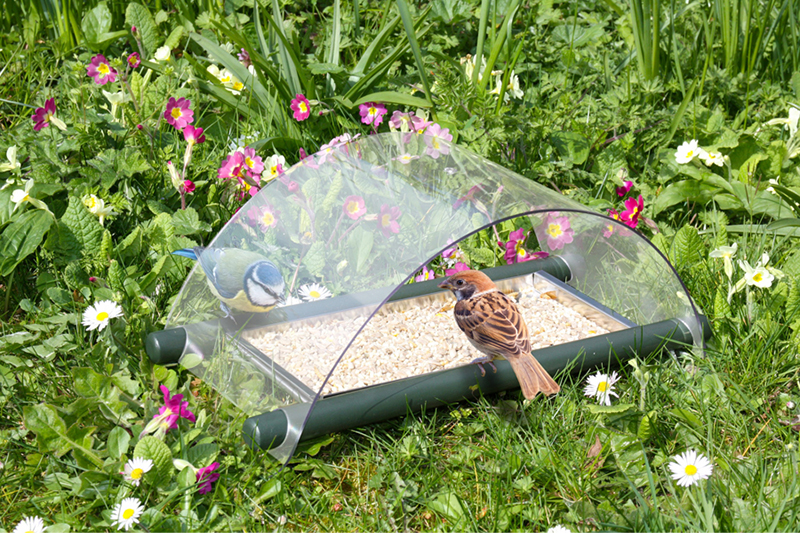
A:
(484, 361)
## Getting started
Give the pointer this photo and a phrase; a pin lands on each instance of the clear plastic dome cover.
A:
(358, 220)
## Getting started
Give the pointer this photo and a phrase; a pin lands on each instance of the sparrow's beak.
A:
(445, 284)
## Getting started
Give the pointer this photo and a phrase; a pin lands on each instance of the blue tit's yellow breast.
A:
(240, 302)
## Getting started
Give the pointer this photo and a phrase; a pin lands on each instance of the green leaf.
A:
(139, 16)
(187, 222)
(393, 97)
(448, 505)
(95, 23)
(22, 237)
(89, 383)
(118, 442)
(571, 146)
(314, 259)
(83, 224)
(646, 425)
(687, 247)
(53, 435)
(609, 409)
(688, 417)
(174, 38)
(158, 452)
(682, 191)
(203, 454)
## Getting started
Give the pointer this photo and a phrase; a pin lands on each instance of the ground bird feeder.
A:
(362, 218)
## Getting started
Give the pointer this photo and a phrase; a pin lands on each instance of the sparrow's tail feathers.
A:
(532, 377)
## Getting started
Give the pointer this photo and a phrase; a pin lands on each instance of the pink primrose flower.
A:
(194, 135)
(174, 409)
(354, 207)
(515, 247)
(178, 113)
(633, 210)
(372, 113)
(558, 231)
(206, 476)
(188, 186)
(426, 274)
(232, 166)
(41, 117)
(301, 107)
(387, 220)
(469, 197)
(101, 71)
(460, 267)
(134, 60)
(264, 217)
(434, 134)
(254, 164)
(626, 186)
(244, 57)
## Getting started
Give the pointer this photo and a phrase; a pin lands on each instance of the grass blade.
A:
(405, 14)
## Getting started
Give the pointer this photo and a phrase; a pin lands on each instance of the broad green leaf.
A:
(269, 490)
(174, 38)
(687, 247)
(203, 454)
(315, 258)
(687, 416)
(646, 425)
(22, 237)
(187, 222)
(408, 24)
(89, 383)
(118, 442)
(95, 23)
(609, 409)
(53, 435)
(392, 97)
(448, 505)
(158, 452)
(571, 146)
(682, 191)
(84, 225)
(139, 16)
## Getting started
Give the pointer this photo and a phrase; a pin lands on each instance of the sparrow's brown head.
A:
(466, 283)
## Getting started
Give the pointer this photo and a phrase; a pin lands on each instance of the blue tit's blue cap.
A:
(266, 273)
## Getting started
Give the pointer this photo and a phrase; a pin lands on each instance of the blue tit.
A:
(241, 280)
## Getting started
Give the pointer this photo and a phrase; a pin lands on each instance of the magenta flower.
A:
(174, 409)
(387, 220)
(426, 274)
(469, 197)
(188, 186)
(633, 210)
(515, 247)
(264, 217)
(372, 113)
(133, 30)
(460, 267)
(101, 71)
(41, 118)
(253, 164)
(401, 121)
(247, 187)
(434, 135)
(134, 60)
(206, 476)
(232, 167)
(611, 228)
(178, 113)
(558, 231)
(303, 154)
(626, 186)
(291, 185)
(354, 207)
(194, 135)
(301, 107)
(244, 57)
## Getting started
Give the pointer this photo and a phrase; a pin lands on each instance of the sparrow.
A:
(241, 280)
(494, 325)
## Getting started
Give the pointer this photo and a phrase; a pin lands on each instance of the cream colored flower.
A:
(726, 253)
(712, 158)
(163, 54)
(97, 206)
(136, 468)
(13, 164)
(601, 386)
(274, 165)
(20, 196)
(688, 151)
(313, 291)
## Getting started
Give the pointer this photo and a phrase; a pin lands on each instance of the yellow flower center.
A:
(635, 209)
(25, 198)
(29, 531)
(690, 470)
(238, 86)
(520, 250)
(554, 230)
(245, 186)
(610, 228)
(90, 202)
(303, 107)
(314, 294)
(385, 220)
(603, 386)
(353, 207)
(225, 79)
(690, 153)
(758, 277)
(435, 142)
(176, 112)
(102, 316)
(137, 473)
(103, 69)
(373, 111)
(127, 514)
(268, 219)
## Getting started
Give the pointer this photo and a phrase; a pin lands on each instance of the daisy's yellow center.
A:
(385, 220)
(406, 157)
(554, 230)
(29, 531)
(603, 386)
(103, 69)
(758, 277)
(268, 219)
(314, 294)
(176, 112)
(102, 316)
(303, 107)
(137, 473)
(353, 208)
(127, 514)
(690, 470)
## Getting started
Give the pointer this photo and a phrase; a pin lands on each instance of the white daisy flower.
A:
(688, 151)
(30, 524)
(136, 468)
(712, 158)
(559, 529)
(690, 467)
(127, 513)
(98, 315)
(290, 300)
(313, 291)
(601, 386)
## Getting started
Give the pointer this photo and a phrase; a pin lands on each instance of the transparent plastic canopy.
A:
(359, 220)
